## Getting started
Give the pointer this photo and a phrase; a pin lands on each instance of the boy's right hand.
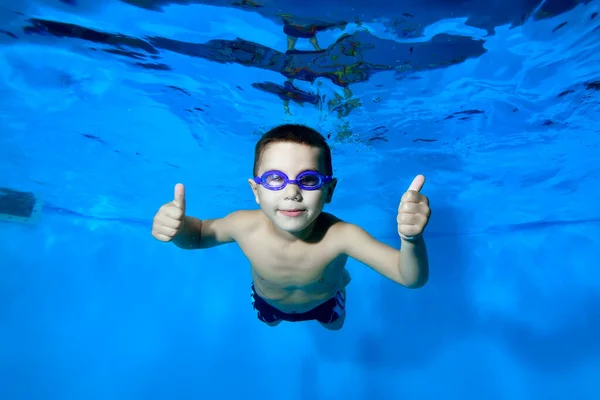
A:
(168, 221)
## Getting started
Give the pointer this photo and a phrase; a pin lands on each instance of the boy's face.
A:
(292, 209)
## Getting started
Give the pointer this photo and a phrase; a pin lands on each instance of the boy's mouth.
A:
(291, 212)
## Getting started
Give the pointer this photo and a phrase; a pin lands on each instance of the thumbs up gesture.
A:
(413, 211)
(168, 221)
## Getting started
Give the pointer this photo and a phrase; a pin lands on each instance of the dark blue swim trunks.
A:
(325, 313)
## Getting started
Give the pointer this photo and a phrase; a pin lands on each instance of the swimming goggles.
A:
(277, 180)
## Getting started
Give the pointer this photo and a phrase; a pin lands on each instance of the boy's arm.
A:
(198, 234)
(408, 266)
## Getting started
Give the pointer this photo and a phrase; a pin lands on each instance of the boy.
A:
(297, 252)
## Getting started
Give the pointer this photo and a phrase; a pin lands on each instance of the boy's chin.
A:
(292, 225)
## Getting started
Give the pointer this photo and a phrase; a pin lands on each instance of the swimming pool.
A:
(103, 108)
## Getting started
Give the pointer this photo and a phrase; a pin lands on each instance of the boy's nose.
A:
(292, 191)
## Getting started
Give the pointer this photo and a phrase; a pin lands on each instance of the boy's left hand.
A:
(413, 212)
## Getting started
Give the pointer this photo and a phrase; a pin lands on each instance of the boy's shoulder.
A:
(330, 224)
(245, 216)
(243, 221)
(336, 228)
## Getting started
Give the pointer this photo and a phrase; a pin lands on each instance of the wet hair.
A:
(293, 133)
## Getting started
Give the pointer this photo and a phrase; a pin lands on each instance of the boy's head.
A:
(292, 176)
(293, 133)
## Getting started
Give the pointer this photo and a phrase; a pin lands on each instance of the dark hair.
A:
(294, 133)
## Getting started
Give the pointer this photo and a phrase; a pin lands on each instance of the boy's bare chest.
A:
(299, 264)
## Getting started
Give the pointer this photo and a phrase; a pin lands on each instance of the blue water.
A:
(104, 108)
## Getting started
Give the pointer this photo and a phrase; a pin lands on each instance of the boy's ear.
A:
(254, 187)
(330, 190)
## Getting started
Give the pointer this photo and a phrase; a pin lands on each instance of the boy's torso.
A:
(294, 277)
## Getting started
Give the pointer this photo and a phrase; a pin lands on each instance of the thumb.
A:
(417, 183)
(179, 199)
